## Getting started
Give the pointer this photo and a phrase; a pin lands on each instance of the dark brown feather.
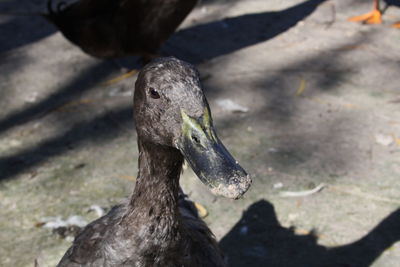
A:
(116, 28)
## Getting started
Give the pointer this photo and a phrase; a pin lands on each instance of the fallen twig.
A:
(302, 193)
(301, 87)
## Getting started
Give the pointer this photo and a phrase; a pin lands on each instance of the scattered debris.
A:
(31, 98)
(204, 10)
(67, 232)
(300, 231)
(293, 216)
(54, 222)
(201, 210)
(64, 228)
(301, 23)
(184, 165)
(97, 209)
(32, 174)
(301, 88)
(229, 105)
(396, 139)
(302, 193)
(14, 143)
(277, 185)
(384, 139)
(79, 166)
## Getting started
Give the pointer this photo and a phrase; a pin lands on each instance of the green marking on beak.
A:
(208, 124)
(203, 127)
(189, 124)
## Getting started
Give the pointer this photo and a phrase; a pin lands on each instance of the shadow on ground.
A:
(203, 42)
(278, 109)
(237, 32)
(85, 81)
(240, 32)
(99, 128)
(29, 29)
(392, 3)
(259, 240)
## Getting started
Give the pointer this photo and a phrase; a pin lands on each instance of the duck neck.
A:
(157, 187)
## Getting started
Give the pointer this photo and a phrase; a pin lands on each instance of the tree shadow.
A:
(99, 128)
(258, 239)
(268, 24)
(18, 31)
(278, 109)
(203, 42)
(84, 82)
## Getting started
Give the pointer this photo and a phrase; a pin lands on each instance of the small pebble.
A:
(384, 139)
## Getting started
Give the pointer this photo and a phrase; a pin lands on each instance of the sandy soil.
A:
(323, 103)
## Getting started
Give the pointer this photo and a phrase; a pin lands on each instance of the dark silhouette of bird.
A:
(110, 29)
(117, 28)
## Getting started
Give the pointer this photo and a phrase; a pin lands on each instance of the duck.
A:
(118, 28)
(372, 17)
(157, 225)
(110, 29)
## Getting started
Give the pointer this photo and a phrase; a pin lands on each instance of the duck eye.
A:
(154, 94)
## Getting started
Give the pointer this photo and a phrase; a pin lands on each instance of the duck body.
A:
(158, 226)
(117, 28)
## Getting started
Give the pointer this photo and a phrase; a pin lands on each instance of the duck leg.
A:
(373, 17)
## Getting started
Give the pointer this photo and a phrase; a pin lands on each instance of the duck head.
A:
(171, 110)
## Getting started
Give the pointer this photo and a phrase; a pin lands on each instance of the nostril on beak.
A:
(196, 139)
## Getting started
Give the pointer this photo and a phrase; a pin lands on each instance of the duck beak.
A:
(209, 158)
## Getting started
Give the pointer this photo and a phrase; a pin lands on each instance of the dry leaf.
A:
(301, 88)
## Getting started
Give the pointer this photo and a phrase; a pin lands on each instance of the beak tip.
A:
(234, 190)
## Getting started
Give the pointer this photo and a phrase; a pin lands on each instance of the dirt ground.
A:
(323, 109)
